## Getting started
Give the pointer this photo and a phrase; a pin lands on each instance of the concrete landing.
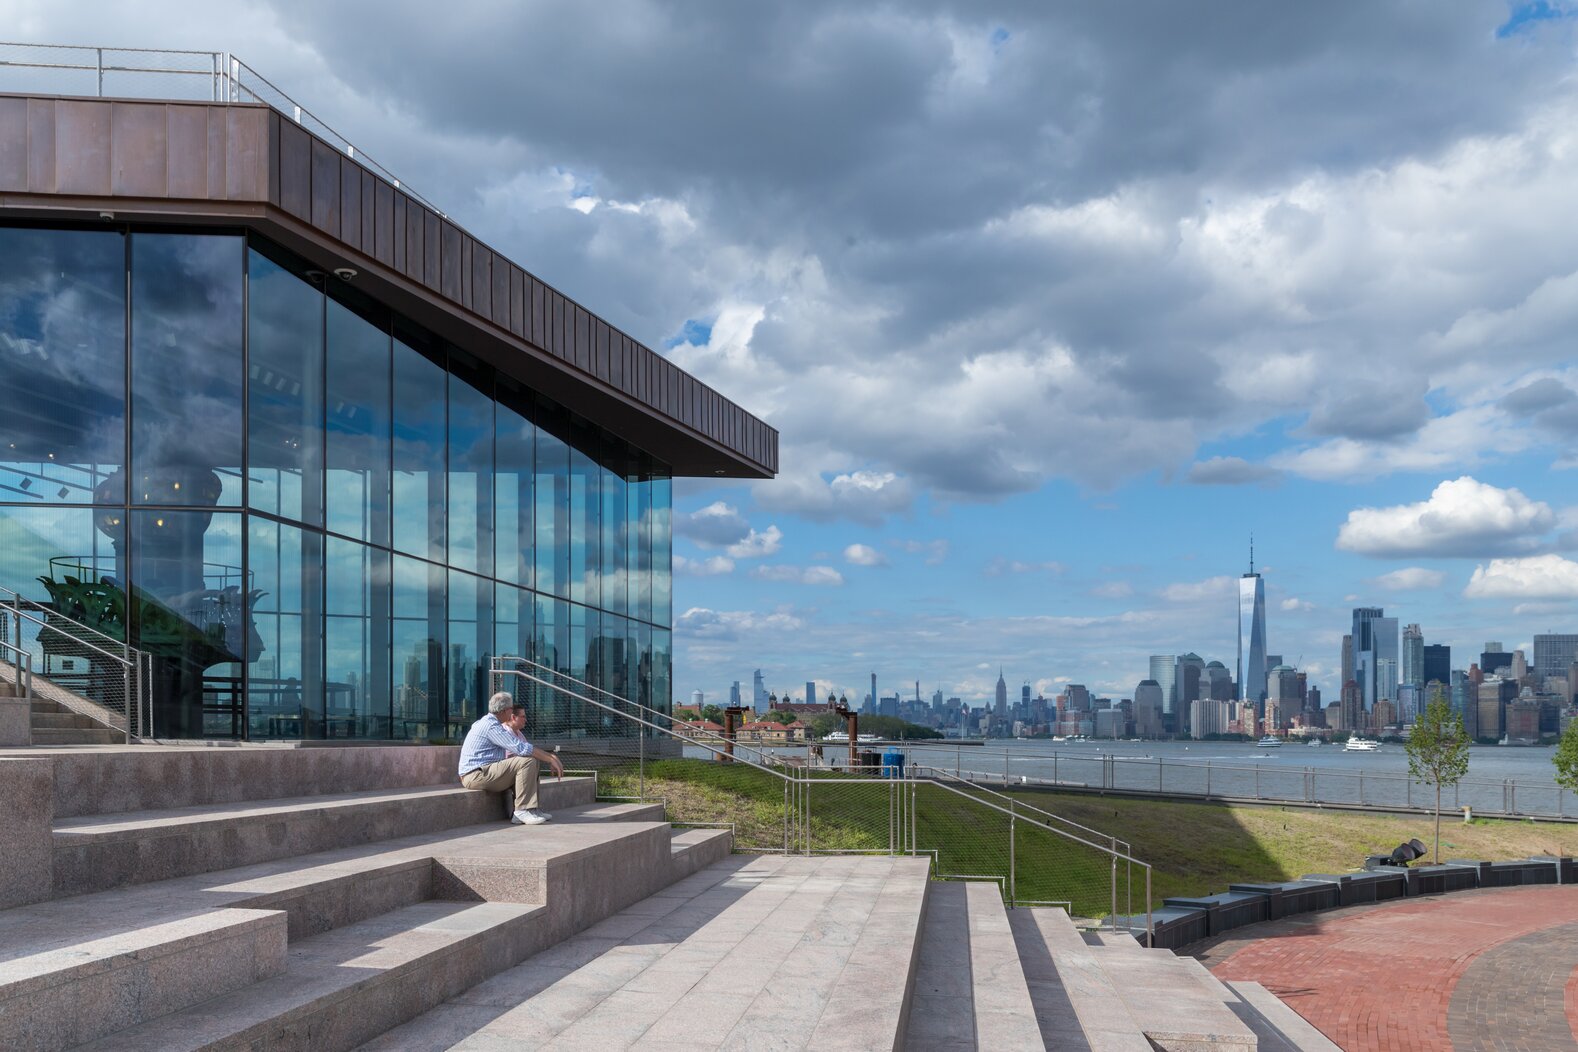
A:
(768, 952)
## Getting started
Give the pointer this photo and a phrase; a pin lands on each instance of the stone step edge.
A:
(306, 987)
(84, 997)
(1005, 1015)
(1291, 1027)
(1096, 1002)
(132, 825)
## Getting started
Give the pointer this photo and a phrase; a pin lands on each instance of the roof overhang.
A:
(247, 166)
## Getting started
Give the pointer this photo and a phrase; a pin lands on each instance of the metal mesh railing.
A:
(76, 666)
(1381, 790)
(790, 799)
(192, 76)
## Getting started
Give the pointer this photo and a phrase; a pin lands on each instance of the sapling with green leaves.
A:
(1438, 752)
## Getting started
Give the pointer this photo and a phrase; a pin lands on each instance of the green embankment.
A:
(1193, 848)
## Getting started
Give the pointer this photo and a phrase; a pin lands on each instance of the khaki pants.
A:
(517, 772)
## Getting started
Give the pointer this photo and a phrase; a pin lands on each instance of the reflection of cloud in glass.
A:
(186, 363)
(62, 342)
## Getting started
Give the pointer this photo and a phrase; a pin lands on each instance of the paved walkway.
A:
(1489, 969)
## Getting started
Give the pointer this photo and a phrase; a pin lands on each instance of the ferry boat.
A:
(1361, 745)
(843, 736)
(1270, 741)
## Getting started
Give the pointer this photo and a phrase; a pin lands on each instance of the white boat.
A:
(1270, 742)
(843, 737)
(1316, 741)
(1361, 745)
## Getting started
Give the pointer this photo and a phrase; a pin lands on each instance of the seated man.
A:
(496, 756)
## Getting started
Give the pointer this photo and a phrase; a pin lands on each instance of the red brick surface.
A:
(1385, 976)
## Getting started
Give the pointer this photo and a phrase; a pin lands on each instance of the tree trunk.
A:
(1438, 823)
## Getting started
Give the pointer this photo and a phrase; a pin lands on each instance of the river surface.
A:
(1512, 780)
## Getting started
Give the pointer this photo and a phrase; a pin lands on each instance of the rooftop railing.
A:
(145, 73)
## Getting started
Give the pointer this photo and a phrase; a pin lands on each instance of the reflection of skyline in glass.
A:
(403, 515)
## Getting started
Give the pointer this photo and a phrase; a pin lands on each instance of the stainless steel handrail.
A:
(24, 668)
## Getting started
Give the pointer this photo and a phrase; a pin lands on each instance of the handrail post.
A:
(99, 71)
(1013, 888)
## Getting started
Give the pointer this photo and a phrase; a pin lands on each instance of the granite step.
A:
(1077, 1007)
(970, 988)
(1277, 1027)
(137, 949)
(692, 850)
(66, 980)
(346, 986)
(98, 852)
(63, 720)
(95, 734)
(1166, 996)
(763, 952)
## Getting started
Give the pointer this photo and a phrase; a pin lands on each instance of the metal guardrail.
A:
(22, 662)
(781, 804)
(1311, 786)
(196, 76)
(118, 678)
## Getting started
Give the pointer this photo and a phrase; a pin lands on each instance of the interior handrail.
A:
(27, 616)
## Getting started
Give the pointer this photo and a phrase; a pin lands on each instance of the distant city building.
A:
(1374, 643)
(758, 692)
(1519, 667)
(1493, 659)
(810, 692)
(1384, 715)
(1162, 670)
(1186, 679)
(1216, 682)
(1000, 709)
(1413, 658)
(1251, 633)
(1148, 709)
(1554, 655)
(1347, 658)
(734, 694)
(1438, 663)
(1209, 717)
(1110, 723)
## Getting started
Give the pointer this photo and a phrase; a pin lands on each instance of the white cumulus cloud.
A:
(1462, 517)
(1409, 579)
(1534, 577)
(713, 566)
(1292, 605)
(1196, 591)
(864, 555)
(758, 545)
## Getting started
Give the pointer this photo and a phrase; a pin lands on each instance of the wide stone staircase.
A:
(337, 898)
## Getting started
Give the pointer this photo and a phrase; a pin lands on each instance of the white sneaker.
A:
(528, 818)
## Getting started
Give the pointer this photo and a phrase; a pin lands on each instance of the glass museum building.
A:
(281, 425)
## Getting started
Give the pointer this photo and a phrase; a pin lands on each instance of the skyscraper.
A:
(1162, 669)
(1252, 635)
(1374, 641)
(810, 692)
(758, 692)
(1438, 663)
(1553, 654)
(1413, 663)
(1000, 711)
(1347, 658)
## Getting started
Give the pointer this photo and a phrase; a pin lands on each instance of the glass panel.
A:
(608, 655)
(418, 482)
(662, 671)
(585, 505)
(552, 491)
(356, 641)
(417, 636)
(639, 531)
(470, 648)
(63, 358)
(358, 426)
(284, 392)
(186, 369)
(471, 469)
(285, 697)
(662, 549)
(191, 611)
(512, 632)
(70, 560)
(643, 658)
(515, 448)
(612, 578)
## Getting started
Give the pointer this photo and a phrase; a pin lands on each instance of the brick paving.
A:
(1487, 969)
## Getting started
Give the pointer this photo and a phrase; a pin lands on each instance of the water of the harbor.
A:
(1500, 780)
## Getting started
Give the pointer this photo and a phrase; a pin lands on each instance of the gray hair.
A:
(503, 701)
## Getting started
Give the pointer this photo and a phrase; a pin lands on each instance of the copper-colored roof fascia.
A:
(111, 147)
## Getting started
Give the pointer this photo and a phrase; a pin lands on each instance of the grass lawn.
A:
(1194, 848)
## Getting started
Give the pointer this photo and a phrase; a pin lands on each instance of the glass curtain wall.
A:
(320, 521)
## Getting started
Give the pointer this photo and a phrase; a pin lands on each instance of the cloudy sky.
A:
(1053, 304)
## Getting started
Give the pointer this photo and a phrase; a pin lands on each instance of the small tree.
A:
(1438, 752)
(1566, 757)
